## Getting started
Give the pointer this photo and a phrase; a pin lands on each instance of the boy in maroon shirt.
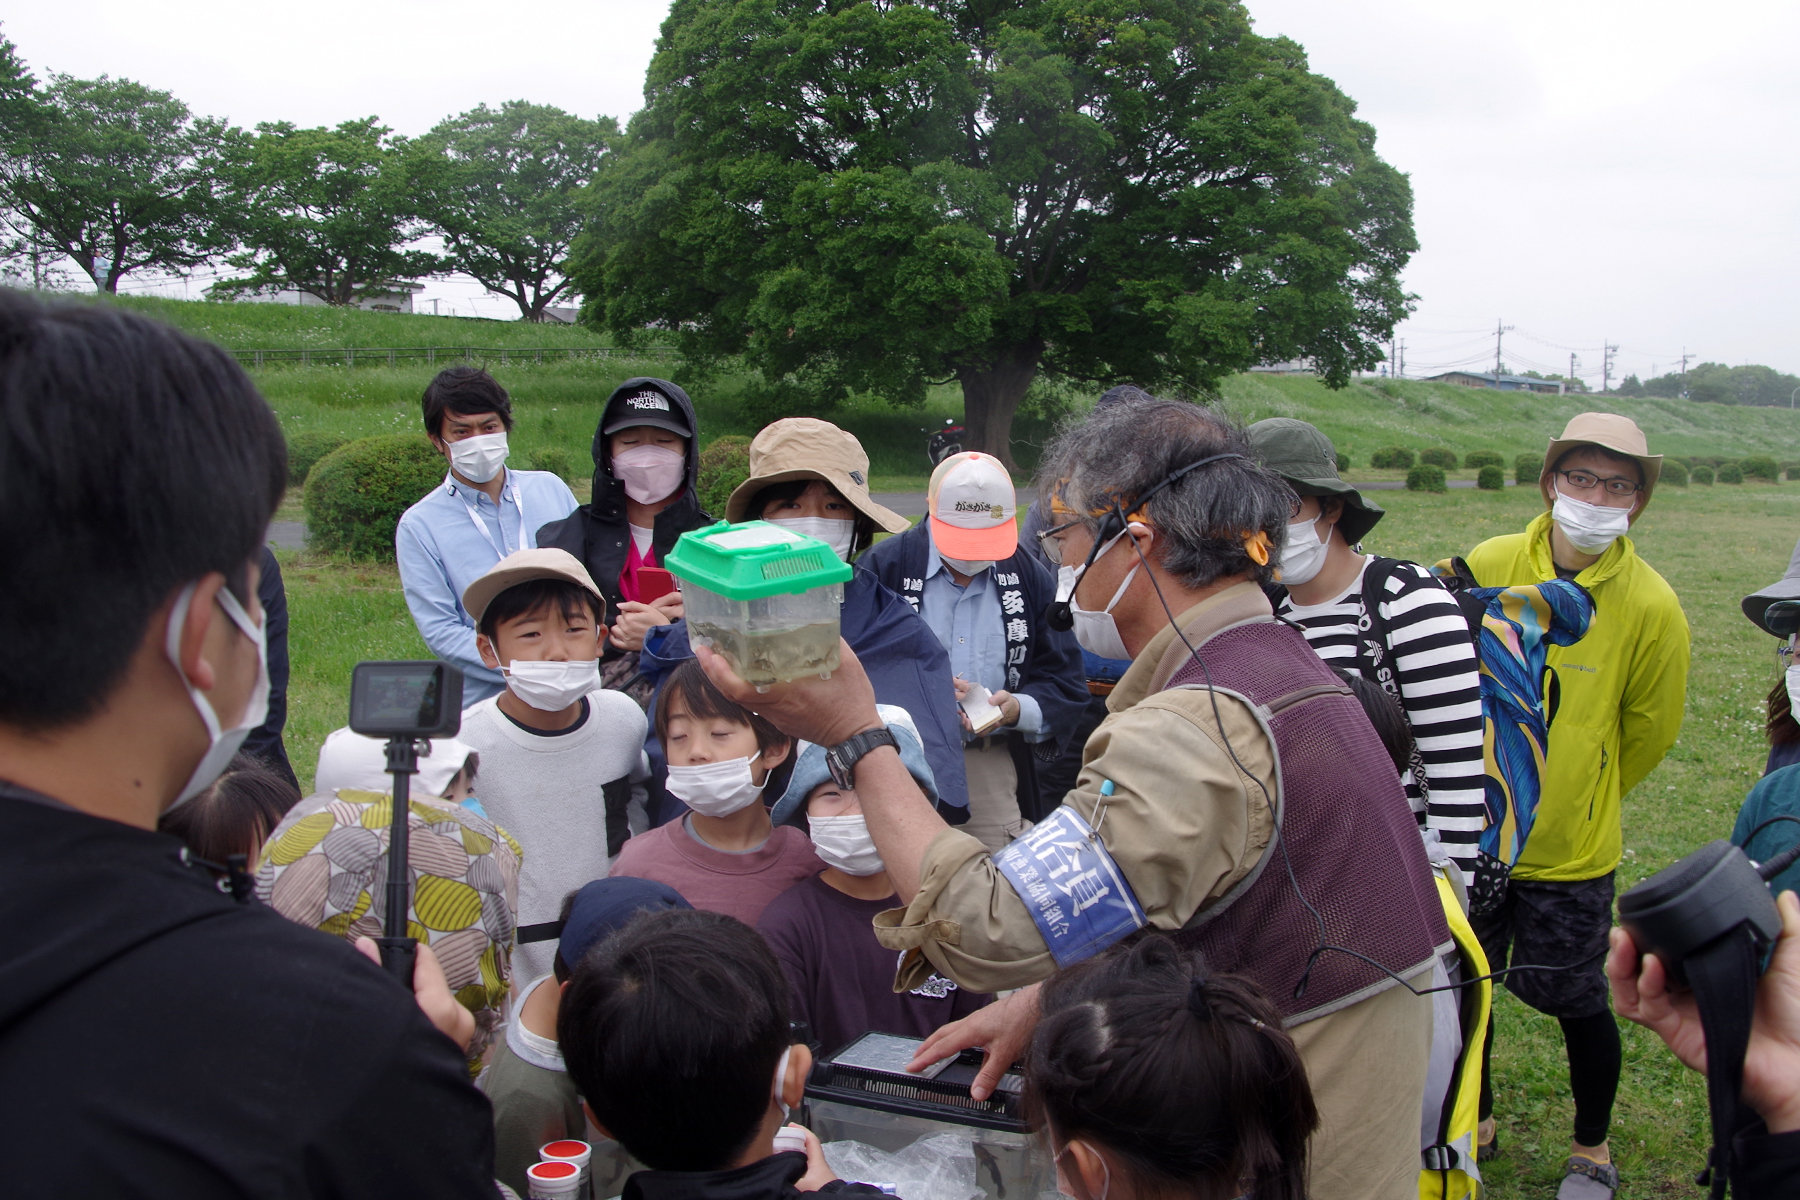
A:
(820, 929)
(725, 855)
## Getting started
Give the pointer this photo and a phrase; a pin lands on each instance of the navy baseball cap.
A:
(605, 906)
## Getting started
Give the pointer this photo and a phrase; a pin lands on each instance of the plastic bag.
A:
(939, 1167)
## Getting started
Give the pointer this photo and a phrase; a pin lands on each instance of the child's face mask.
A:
(716, 789)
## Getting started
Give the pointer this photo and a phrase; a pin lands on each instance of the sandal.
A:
(1588, 1180)
(1488, 1149)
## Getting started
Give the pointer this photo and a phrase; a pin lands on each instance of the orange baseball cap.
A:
(974, 511)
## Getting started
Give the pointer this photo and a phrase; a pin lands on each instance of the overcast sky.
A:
(1582, 169)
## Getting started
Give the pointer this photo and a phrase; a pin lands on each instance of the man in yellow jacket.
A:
(1622, 692)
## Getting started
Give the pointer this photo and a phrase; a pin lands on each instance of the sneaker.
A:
(1488, 1149)
(1588, 1180)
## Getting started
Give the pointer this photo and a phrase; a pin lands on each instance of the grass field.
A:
(1713, 544)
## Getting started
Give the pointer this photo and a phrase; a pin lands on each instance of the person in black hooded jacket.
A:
(643, 501)
(162, 1034)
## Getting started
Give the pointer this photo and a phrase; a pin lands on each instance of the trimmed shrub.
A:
(1673, 474)
(1492, 478)
(305, 450)
(1527, 468)
(1729, 472)
(1687, 464)
(355, 496)
(1702, 474)
(1426, 477)
(724, 464)
(1438, 456)
(1391, 458)
(1761, 466)
(1793, 470)
(553, 459)
(1343, 462)
(1477, 459)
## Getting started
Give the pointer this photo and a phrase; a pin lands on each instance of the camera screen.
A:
(402, 696)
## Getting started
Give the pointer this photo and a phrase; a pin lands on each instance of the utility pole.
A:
(1393, 357)
(1499, 331)
(1571, 369)
(1607, 351)
(1403, 358)
(1684, 357)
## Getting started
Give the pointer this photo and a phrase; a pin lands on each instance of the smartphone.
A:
(654, 583)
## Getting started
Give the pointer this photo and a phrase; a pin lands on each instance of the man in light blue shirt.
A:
(480, 513)
(984, 597)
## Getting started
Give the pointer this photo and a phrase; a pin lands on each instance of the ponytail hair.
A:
(1185, 1079)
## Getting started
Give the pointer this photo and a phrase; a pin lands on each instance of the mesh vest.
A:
(1346, 831)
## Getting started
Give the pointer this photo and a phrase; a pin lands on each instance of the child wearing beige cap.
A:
(562, 759)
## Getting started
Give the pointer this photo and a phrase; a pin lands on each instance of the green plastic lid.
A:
(754, 560)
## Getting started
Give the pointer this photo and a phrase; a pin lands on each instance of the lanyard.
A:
(511, 489)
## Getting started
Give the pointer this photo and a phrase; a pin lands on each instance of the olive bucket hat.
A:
(1304, 457)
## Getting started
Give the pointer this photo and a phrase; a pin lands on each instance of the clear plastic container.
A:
(1004, 1165)
(765, 597)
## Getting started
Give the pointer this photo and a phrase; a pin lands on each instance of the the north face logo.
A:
(651, 400)
(856, 477)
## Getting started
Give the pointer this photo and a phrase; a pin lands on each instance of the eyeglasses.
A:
(1049, 545)
(1615, 485)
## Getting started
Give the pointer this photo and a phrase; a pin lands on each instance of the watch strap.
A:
(842, 758)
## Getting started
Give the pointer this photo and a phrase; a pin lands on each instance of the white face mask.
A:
(716, 789)
(781, 1078)
(225, 742)
(837, 534)
(1096, 632)
(1302, 555)
(844, 843)
(552, 686)
(966, 566)
(650, 473)
(478, 459)
(1590, 528)
(1793, 690)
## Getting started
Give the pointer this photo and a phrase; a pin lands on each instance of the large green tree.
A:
(117, 176)
(502, 188)
(878, 196)
(328, 212)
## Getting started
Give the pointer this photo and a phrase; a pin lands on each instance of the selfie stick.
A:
(397, 949)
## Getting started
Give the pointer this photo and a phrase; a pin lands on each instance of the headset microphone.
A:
(1059, 615)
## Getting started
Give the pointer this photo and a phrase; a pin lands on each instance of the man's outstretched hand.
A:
(823, 711)
(1641, 993)
(1002, 1029)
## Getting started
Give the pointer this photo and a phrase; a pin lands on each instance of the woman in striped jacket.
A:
(1387, 620)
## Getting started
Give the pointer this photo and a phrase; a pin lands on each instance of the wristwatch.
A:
(842, 758)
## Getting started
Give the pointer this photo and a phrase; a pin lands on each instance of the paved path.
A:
(291, 535)
(287, 535)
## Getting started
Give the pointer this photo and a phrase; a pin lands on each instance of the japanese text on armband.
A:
(1071, 886)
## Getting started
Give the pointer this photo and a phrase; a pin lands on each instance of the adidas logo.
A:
(654, 400)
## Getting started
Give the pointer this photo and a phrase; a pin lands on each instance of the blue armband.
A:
(1071, 887)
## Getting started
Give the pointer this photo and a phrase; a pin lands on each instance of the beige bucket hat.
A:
(808, 448)
(521, 566)
(1611, 431)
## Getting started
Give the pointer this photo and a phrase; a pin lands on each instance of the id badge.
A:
(1070, 884)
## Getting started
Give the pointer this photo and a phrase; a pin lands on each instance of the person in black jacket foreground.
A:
(1765, 1153)
(159, 1037)
(675, 1031)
